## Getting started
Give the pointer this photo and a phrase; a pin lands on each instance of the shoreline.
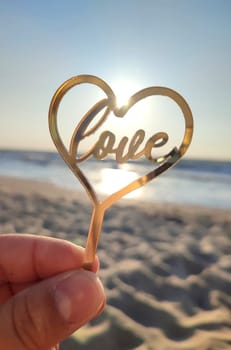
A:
(15, 184)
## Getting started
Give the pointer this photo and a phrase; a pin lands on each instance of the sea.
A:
(191, 182)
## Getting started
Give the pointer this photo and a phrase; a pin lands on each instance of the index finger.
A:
(28, 258)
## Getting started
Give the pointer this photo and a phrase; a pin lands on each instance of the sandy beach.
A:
(166, 268)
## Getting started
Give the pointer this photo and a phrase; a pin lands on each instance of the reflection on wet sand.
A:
(113, 180)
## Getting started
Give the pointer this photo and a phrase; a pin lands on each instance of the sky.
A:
(181, 44)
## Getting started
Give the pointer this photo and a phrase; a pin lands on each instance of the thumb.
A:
(43, 315)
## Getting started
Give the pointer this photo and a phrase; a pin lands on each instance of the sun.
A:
(134, 119)
(123, 91)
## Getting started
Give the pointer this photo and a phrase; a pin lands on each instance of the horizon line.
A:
(186, 157)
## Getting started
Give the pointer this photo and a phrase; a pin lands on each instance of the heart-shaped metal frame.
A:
(109, 104)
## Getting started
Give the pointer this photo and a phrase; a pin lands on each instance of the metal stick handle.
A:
(93, 236)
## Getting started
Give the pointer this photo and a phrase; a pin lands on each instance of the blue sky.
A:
(181, 44)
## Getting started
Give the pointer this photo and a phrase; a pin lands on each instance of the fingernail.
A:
(79, 297)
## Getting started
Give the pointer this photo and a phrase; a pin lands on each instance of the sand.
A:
(166, 268)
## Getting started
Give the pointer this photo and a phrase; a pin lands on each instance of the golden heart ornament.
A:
(106, 145)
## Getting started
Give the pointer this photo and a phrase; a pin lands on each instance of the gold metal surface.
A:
(105, 145)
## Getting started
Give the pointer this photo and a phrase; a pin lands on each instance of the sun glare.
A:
(112, 180)
(131, 121)
(123, 91)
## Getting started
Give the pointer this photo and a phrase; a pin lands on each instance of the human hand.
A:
(45, 295)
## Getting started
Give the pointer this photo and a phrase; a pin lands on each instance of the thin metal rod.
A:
(93, 236)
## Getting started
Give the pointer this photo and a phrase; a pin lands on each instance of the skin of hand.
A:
(45, 294)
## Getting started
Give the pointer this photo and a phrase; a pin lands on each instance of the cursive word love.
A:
(106, 145)
(125, 150)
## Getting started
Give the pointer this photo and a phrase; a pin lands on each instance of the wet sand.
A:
(166, 268)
